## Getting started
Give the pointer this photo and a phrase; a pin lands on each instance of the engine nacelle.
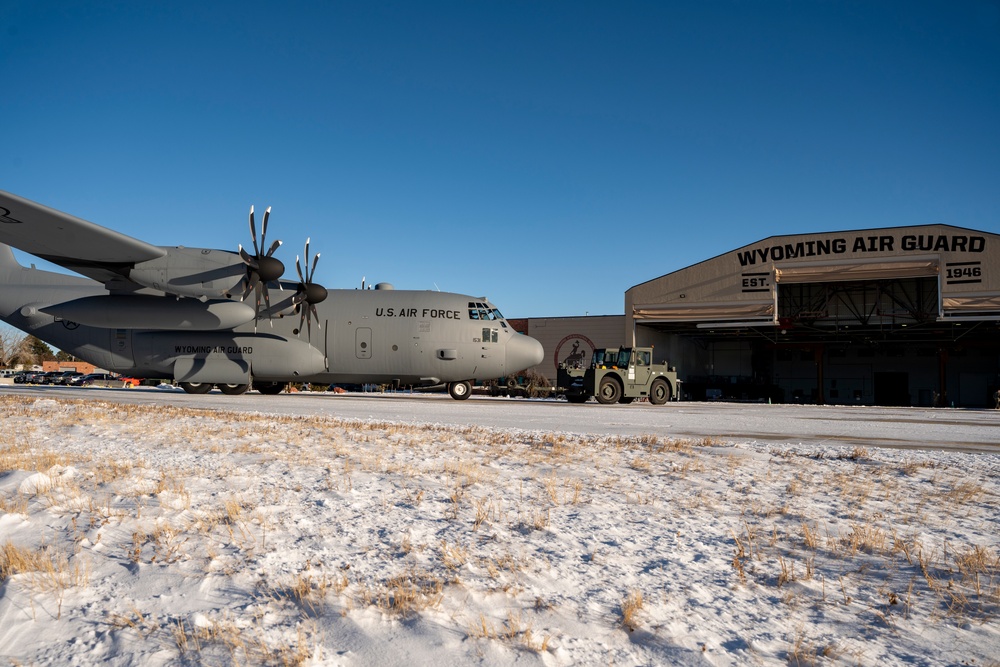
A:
(195, 272)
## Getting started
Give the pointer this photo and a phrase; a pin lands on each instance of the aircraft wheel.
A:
(659, 392)
(233, 389)
(196, 387)
(609, 392)
(269, 388)
(460, 390)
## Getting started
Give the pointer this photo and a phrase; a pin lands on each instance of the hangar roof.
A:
(782, 238)
(955, 270)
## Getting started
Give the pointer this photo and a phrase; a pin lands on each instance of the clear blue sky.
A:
(548, 155)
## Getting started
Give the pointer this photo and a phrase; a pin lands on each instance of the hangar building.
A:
(900, 316)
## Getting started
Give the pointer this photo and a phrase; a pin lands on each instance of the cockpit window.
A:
(484, 311)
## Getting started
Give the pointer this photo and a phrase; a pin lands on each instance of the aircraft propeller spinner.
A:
(261, 268)
(308, 293)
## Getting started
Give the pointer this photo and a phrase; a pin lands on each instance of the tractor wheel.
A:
(659, 392)
(609, 392)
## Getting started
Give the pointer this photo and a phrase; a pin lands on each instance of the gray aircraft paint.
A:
(184, 318)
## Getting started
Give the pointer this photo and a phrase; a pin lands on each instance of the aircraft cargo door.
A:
(363, 343)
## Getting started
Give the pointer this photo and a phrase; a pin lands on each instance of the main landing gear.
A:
(460, 390)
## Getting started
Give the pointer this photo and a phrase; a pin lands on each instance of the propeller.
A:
(261, 268)
(308, 293)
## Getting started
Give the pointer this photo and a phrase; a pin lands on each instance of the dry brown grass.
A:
(866, 552)
(631, 605)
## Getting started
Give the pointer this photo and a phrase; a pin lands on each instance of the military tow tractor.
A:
(620, 376)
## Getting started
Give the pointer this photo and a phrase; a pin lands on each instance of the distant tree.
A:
(34, 351)
(10, 345)
(64, 356)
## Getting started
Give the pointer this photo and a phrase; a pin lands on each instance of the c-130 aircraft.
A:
(218, 318)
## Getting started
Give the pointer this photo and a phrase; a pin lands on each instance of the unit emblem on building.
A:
(574, 350)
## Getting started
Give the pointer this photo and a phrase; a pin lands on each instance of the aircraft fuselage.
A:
(410, 338)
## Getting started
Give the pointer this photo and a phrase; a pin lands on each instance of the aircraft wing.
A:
(75, 244)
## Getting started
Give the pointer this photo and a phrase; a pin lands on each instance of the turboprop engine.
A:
(194, 272)
(209, 275)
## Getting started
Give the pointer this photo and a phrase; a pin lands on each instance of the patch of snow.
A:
(177, 534)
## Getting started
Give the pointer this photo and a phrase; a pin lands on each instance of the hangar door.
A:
(858, 293)
(883, 288)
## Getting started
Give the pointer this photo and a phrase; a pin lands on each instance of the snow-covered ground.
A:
(152, 533)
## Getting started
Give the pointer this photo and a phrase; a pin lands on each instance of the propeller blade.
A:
(267, 302)
(313, 271)
(298, 269)
(315, 314)
(263, 227)
(248, 259)
(252, 282)
(253, 233)
(274, 246)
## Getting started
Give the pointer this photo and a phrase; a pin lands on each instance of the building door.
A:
(973, 390)
(892, 388)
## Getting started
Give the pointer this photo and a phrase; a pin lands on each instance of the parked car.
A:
(22, 377)
(48, 377)
(92, 378)
(64, 377)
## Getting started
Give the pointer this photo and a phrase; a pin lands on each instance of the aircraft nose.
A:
(523, 352)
